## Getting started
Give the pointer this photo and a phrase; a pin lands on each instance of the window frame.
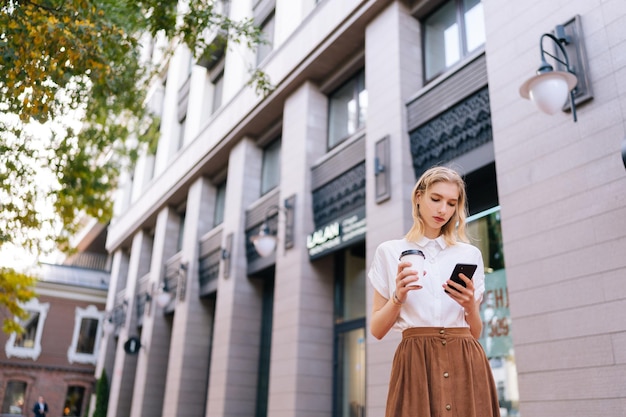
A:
(24, 407)
(220, 204)
(91, 312)
(33, 353)
(464, 54)
(355, 80)
(264, 188)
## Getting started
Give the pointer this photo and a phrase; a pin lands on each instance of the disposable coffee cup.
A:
(416, 257)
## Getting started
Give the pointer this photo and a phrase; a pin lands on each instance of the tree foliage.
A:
(73, 67)
(15, 289)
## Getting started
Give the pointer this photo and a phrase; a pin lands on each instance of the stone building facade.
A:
(368, 94)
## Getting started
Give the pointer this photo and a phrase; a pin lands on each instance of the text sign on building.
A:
(336, 235)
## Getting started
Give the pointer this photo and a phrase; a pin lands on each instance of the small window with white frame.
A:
(86, 337)
(28, 343)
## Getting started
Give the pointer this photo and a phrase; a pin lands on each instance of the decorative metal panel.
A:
(208, 271)
(452, 133)
(340, 196)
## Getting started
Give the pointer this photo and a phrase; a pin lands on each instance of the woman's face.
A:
(436, 206)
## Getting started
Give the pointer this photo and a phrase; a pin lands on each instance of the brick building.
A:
(56, 355)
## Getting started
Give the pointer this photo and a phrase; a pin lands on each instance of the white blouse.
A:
(429, 306)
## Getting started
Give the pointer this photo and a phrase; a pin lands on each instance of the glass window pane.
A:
(13, 402)
(74, 401)
(270, 175)
(347, 110)
(28, 338)
(354, 288)
(267, 34)
(474, 24)
(351, 395)
(87, 336)
(441, 40)
(220, 201)
(218, 88)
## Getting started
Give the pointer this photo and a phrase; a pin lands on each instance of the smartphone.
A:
(467, 269)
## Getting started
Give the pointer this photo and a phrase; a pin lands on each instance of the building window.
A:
(347, 110)
(350, 311)
(28, 343)
(270, 171)
(86, 336)
(182, 125)
(13, 402)
(218, 91)
(265, 348)
(451, 33)
(74, 401)
(220, 202)
(267, 35)
(181, 231)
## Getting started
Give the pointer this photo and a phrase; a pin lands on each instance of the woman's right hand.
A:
(406, 280)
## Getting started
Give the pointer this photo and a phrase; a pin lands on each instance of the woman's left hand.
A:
(462, 295)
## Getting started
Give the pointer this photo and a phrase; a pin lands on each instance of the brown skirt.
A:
(441, 372)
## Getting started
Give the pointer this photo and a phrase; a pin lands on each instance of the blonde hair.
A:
(455, 228)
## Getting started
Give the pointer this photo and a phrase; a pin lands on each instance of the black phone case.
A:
(467, 269)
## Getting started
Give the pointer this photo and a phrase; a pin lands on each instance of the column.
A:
(236, 339)
(302, 338)
(392, 74)
(123, 378)
(188, 363)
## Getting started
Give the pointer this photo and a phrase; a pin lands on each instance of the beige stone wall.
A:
(561, 187)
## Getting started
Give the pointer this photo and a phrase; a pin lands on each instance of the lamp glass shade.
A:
(264, 244)
(108, 327)
(549, 91)
(163, 299)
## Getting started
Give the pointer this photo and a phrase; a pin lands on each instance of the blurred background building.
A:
(368, 95)
(56, 355)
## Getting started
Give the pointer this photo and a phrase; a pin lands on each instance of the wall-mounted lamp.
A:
(265, 242)
(164, 296)
(115, 318)
(549, 88)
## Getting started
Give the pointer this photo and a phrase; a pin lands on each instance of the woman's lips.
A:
(439, 219)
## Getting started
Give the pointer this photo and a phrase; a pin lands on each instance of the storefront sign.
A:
(336, 235)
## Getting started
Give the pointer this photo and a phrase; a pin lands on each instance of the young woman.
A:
(439, 368)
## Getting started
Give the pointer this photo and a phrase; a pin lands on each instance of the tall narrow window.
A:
(267, 35)
(350, 311)
(452, 32)
(181, 231)
(347, 110)
(265, 347)
(218, 91)
(270, 174)
(13, 401)
(220, 201)
(74, 401)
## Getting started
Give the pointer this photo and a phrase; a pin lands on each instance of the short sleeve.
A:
(379, 271)
(479, 277)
